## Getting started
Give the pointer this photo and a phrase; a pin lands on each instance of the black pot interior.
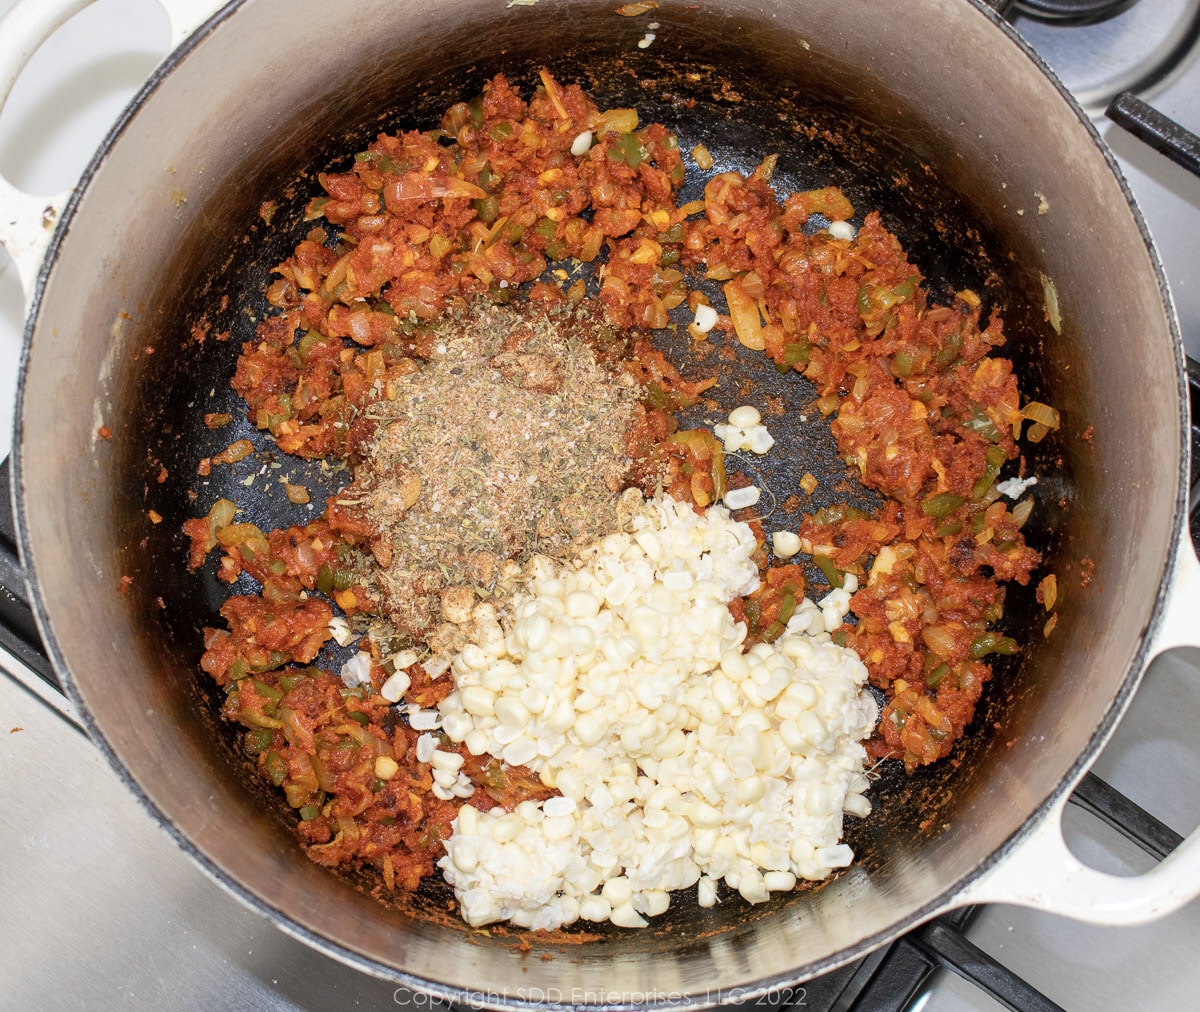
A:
(744, 94)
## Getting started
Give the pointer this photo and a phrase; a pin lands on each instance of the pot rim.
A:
(948, 898)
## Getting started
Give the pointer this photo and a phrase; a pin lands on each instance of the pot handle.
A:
(1042, 872)
(27, 222)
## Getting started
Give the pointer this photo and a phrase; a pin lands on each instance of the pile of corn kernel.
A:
(680, 759)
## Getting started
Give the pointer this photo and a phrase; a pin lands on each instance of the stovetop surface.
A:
(89, 877)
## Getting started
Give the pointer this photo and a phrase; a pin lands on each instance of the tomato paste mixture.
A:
(447, 258)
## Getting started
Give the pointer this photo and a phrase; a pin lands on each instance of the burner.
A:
(1077, 12)
(1134, 50)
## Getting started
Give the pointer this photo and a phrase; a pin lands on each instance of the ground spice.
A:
(509, 441)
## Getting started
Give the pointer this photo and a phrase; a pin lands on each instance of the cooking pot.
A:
(936, 114)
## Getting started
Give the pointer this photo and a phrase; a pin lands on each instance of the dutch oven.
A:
(936, 114)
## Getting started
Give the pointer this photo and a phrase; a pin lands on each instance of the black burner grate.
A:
(902, 971)
(18, 631)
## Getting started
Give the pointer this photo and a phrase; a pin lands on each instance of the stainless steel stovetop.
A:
(100, 909)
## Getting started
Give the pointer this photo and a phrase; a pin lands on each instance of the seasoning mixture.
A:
(482, 437)
(509, 440)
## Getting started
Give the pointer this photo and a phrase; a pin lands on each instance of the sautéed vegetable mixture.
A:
(580, 674)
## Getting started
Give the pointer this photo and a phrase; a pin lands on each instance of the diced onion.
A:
(1045, 415)
(1049, 588)
(702, 158)
(1050, 298)
(743, 311)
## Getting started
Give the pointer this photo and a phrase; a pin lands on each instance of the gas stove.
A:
(89, 877)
